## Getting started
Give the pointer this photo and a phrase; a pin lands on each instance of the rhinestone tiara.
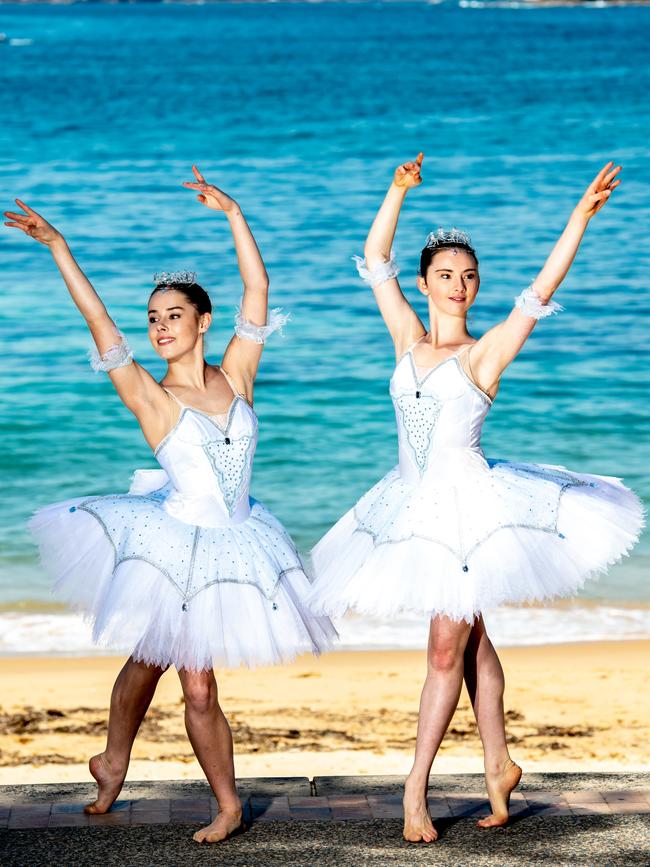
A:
(444, 237)
(175, 278)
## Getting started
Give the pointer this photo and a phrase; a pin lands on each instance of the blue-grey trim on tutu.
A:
(117, 560)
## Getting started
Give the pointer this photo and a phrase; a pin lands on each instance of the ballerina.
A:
(447, 532)
(185, 568)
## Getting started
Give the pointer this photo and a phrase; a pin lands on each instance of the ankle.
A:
(230, 805)
(496, 767)
(115, 765)
(416, 783)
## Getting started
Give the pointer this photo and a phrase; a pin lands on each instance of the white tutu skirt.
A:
(473, 535)
(178, 594)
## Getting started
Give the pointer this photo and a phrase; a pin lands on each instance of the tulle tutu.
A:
(472, 535)
(177, 593)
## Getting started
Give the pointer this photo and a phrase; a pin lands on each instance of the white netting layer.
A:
(181, 595)
(494, 534)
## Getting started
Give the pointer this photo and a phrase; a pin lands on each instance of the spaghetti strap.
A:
(230, 382)
(177, 399)
(410, 348)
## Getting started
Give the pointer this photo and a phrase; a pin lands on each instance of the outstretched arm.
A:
(137, 388)
(401, 320)
(242, 356)
(499, 346)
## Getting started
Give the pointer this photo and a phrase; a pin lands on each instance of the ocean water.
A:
(301, 111)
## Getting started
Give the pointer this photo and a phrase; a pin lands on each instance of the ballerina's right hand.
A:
(32, 224)
(408, 175)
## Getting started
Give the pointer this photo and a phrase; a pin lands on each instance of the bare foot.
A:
(226, 823)
(109, 783)
(499, 787)
(418, 827)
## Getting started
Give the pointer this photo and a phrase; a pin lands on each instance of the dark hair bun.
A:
(427, 254)
(195, 294)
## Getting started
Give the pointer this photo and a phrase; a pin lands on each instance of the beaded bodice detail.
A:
(439, 410)
(209, 464)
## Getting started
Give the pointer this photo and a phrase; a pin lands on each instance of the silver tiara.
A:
(175, 278)
(448, 236)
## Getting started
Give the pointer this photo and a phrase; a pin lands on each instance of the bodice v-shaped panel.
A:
(436, 410)
(209, 465)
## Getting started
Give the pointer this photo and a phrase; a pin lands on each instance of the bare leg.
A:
(440, 694)
(485, 684)
(211, 740)
(132, 693)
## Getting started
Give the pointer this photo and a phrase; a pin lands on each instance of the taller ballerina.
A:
(447, 532)
(185, 568)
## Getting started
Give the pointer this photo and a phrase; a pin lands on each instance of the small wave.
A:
(17, 43)
(546, 4)
(510, 627)
(56, 633)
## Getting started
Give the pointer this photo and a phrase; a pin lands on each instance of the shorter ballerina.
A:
(449, 532)
(186, 568)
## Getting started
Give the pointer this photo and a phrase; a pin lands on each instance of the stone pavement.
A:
(591, 819)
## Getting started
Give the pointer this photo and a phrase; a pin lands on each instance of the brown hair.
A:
(195, 294)
(427, 254)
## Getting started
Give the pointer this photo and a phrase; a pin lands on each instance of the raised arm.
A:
(499, 346)
(379, 269)
(242, 356)
(137, 388)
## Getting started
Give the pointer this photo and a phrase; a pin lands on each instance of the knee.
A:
(200, 695)
(445, 658)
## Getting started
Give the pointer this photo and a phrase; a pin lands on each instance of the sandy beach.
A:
(568, 707)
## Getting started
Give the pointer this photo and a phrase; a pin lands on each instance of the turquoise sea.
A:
(301, 111)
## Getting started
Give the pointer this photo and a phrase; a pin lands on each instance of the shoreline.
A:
(30, 629)
(579, 706)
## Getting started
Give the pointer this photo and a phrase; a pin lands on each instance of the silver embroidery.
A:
(231, 461)
(527, 481)
(190, 541)
(419, 418)
(190, 571)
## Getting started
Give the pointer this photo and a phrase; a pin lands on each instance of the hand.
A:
(408, 175)
(209, 195)
(598, 191)
(33, 224)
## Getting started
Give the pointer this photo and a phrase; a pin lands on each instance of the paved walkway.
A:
(46, 824)
(335, 808)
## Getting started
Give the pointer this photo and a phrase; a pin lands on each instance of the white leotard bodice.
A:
(209, 461)
(437, 410)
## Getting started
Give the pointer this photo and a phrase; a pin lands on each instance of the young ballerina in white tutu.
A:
(448, 532)
(185, 568)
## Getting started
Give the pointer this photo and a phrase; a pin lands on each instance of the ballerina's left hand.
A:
(209, 195)
(599, 191)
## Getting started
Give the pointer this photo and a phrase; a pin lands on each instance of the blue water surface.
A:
(302, 112)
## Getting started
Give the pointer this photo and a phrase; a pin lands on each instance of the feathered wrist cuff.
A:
(115, 356)
(258, 333)
(531, 304)
(380, 273)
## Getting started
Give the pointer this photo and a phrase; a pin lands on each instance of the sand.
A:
(568, 707)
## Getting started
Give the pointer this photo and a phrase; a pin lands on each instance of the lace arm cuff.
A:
(115, 356)
(531, 304)
(380, 273)
(258, 333)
